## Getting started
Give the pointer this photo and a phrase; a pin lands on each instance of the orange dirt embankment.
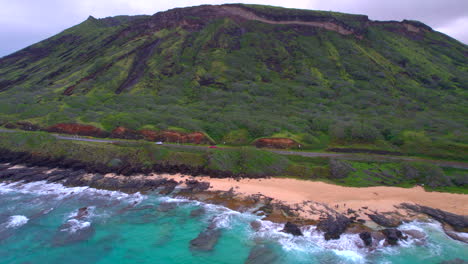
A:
(77, 129)
(276, 143)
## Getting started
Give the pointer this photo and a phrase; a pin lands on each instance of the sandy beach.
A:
(380, 199)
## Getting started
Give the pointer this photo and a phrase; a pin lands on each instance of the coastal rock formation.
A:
(276, 143)
(333, 226)
(393, 236)
(292, 229)
(458, 222)
(77, 129)
(366, 238)
(207, 239)
(386, 221)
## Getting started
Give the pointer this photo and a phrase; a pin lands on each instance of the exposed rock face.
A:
(458, 222)
(393, 235)
(125, 133)
(333, 226)
(77, 129)
(180, 137)
(386, 221)
(292, 229)
(149, 135)
(23, 126)
(277, 143)
(366, 238)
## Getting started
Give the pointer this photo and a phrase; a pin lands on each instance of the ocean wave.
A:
(16, 221)
(59, 191)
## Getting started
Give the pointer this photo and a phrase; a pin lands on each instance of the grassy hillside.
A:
(387, 85)
(142, 157)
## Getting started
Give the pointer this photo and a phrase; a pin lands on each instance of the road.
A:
(347, 156)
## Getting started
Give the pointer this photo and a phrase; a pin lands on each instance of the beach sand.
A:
(380, 199)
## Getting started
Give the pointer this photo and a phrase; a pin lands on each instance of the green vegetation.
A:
(239, 81)
(242, 161)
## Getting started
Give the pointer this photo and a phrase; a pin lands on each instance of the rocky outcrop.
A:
(77, 129)
(366, 238)
(292, 229)
(207, 239)
(333, 226)
(458, 222)
(125, 133)
(276, 143)
(393, 236)
(383, 220)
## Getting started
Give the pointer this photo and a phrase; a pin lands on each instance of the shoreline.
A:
(294, 191)
(334, 210)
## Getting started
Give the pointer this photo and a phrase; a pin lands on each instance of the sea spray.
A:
(127, 228)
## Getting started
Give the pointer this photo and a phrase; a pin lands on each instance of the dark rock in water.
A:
(82, 213)
(261, 254)
(393, 235)
(169, 187)
(256, 225)
(333, 226)
(384, 220)
(292, 229)
(166, 206)
(459, 222)
(67, 235)
(366, 238)
(449, 231)
(197, 212)
(454, 261)
(206, 240)
(414, 234)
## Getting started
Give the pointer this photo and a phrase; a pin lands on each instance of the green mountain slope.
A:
(240, 72)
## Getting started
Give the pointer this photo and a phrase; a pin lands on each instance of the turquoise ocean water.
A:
(38, 224)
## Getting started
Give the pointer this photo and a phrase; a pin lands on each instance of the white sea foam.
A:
(16, 221)
(73, 225)
(58, 191)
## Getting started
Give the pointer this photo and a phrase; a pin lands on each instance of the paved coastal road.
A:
(347, 156)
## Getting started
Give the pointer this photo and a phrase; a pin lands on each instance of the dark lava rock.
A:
(197, 186)
(366, 238)
(167, 206)
(292, 229)
(333, 226)
(458, 222)
(384, 221)
(198, 212)
(206, 240)
(262, 254)
(256, 225)
(393, 235)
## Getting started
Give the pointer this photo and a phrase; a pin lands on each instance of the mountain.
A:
(240, 72)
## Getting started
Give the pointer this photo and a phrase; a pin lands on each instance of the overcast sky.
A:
(25, 22)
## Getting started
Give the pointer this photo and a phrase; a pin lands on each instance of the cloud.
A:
(24, 22)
